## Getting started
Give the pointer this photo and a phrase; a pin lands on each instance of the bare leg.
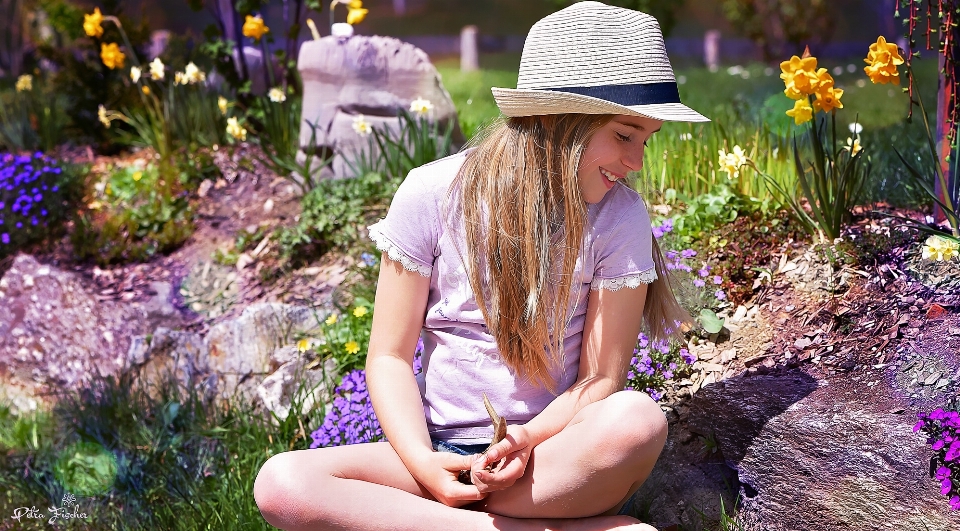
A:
(576, 476)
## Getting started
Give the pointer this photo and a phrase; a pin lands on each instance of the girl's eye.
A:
(623, 138)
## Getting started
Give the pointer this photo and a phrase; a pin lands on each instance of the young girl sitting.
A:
(527, 266)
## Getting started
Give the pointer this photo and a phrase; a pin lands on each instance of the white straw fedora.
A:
(592, 58)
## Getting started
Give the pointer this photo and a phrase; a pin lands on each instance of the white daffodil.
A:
(731, 162)
(192, 74)
(222, 103)
(855, 128)
(421, 106)
(939, 249)
(362, 126)
(135, 74)
(156, 69)
(853, 145)
(277, 95)
(236, 130)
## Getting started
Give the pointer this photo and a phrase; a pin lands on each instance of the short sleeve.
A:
(410, 232)
(624, 256)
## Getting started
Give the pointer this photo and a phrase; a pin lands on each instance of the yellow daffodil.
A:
(331, 319)
(111, 55)
(156, 69)
(360, 311)
(939, 249)
(137, 175)
(24, 83)
(799, 76)
(801, 112)
(882, 62)
(853, 145)
(236, 130)
(303, 345)
(421, 106)
(731, 162)
(254, 27)
(94, 205)
(145, 89)
(362, 126)
(91, 23)
(222, 103)
(828, 97)
(355, 12)
(352, 347)
(277, 95)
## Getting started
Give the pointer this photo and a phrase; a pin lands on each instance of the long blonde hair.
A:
(523, 216)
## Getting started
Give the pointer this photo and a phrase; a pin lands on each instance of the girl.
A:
(527, 267)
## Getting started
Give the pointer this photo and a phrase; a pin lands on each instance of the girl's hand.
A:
(438, 474)
(514, 449)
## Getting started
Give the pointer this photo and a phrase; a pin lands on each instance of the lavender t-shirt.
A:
(460, 357)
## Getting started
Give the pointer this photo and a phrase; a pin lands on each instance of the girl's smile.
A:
(615, 150)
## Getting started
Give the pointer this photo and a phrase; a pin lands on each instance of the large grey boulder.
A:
(239, 351)
(373, 76)
(803, 455)
(54, 334)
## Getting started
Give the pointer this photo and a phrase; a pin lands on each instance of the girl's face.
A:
(612, 152)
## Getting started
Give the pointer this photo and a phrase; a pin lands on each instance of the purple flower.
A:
(943, 473)
(699, 283)
(945, 487)
(918, 426)
(720, 295)
(955, 503)
(5, 238)
(703, 272)
(717, 280)
(654, 394)
(937, 445)
(687, 357)
(953, 452)
(688, 253)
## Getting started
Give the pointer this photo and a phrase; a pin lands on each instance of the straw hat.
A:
(592, 58)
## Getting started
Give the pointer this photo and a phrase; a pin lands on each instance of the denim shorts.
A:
(470, 449)
(459, 449)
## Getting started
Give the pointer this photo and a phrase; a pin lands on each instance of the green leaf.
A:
(710, 322)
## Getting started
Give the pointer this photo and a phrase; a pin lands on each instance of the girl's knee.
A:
(276, 488)
(634, 422)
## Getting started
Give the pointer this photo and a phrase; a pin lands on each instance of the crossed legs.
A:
(577, 479)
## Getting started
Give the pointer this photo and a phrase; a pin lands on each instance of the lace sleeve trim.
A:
(397, 255)
(629, 281)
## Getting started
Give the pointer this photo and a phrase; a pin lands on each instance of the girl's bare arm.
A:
(397, 319)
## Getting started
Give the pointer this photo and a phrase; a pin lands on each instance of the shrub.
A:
(33, 117)
(138, 211)
(35, 197)
(333, 214)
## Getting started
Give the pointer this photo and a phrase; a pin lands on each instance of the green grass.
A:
(748, 109)
(180, 461)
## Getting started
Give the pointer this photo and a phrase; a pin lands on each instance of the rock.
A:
(54, 335)
(242, 348)
(278, 390)
(376, 77)
(808, 457)
(170, 353)
(160, 304)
